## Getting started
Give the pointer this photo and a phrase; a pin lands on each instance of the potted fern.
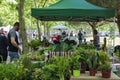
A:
(93, 62)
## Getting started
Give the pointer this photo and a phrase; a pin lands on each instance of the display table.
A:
(97, 77)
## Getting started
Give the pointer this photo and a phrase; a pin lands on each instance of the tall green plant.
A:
(12, 71)
(93, 60)
(103, 57)
(63, 67)
(49, 72)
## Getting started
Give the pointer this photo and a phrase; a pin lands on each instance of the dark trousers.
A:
(3, 55)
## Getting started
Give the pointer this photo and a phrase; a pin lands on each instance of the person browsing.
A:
(13, 48)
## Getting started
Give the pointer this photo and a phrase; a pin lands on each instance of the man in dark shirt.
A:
(3, 47)
(80, 35)
(13, 42)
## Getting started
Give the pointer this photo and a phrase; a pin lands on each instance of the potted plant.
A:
(74, 65)
(105, 69)
(105, 65)
(93, 62)
(83, 58)
(76, 69)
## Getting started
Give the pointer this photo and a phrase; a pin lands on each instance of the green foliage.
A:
(35, 44)
(8, 12)
(108, 3)
(103, 57)
(37, 73)
(50, 72)
(62, 68)
(117, 53)
(63, 46)
(36, 56)
(26, 62)
(83, 53)
(45, 43)
(112, 32)
(87, 46)
(93, 60)
(50, 48)
(105, 64)
(105, 67)
(74, 62)
(12, 72)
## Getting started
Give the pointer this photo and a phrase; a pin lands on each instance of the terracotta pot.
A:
(106, 74)
(83, 68)
(92, 72)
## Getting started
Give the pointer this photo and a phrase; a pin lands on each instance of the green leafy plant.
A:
(105, 67)
(83, 53)
(12, 71)
(37, 74)
(117, 53)
(63, 67)
(74, 63)
(103, 57)
(93, 60)
(87, 46)
(49, 72)
(36, 56)
(35, 44)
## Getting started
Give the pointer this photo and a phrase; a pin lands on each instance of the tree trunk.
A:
(118, 22)
(38, 27)
(93, 28)
(93, 25)
(22, 26)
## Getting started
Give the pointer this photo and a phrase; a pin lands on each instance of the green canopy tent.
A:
(72, 10)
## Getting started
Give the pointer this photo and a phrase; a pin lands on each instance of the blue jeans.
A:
(13, 55)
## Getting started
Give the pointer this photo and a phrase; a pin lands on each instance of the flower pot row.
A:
(105, 74)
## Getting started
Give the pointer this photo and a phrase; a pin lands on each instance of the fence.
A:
(64, 54)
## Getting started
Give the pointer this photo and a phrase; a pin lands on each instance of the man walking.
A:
(13, 42)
